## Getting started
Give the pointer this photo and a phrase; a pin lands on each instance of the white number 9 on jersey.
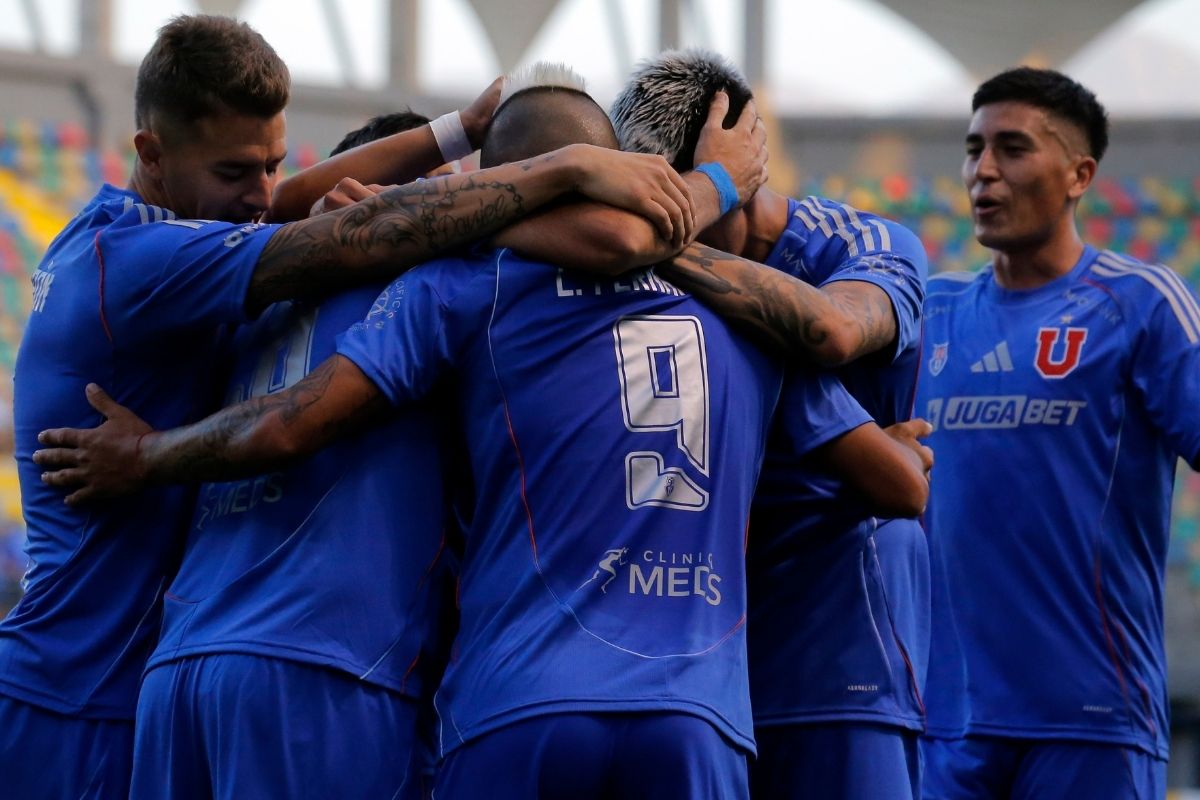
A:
(663, 371)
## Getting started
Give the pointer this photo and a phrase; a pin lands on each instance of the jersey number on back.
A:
(663, 371)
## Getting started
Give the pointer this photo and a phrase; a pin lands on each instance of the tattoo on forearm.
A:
(769, 303)
(224, 446)
(869, 309)
(529, 163)
(398, 227)
(788, 313)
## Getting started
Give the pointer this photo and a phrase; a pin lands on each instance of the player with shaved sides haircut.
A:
(1062, 376)
(547, 91)
(839, 604)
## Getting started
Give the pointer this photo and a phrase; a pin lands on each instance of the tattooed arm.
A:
(829, 326)
(863, 322)
(125, 454)
(402, 226)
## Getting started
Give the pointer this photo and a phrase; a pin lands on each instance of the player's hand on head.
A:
(347, 192)
(742, 149)
(477, 117)
(909, 434)
(643, 184)
(95, 463)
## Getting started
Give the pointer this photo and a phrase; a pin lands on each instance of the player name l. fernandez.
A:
(990, 412)
(642, 280)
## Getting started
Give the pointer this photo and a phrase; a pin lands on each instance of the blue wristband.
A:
(726, 191)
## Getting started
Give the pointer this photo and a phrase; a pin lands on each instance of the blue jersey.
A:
(133, 299)
(839, 606)
(328, 562)
(1058, 415)
(615, 434)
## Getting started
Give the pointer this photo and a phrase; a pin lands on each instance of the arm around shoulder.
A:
(125, 454)
(591, 237)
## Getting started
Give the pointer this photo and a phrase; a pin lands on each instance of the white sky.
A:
(1125, 66)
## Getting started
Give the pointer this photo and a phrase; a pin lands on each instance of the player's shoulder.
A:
(953, 283)
(452, 277)
(1133, 277)
(861, 231)
(131, 216)
(114, 209)
(131, 220)
(462, 264)
(139, 214)
(1146, 287)
(126, 211)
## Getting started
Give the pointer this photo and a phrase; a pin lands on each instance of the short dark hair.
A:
(1054, 92)
(201, 65)
(544, 118)
(379, 127)
(664, 106)
(543, 107)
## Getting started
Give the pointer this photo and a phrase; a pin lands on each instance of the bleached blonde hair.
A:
(664, 104)
(542, 75)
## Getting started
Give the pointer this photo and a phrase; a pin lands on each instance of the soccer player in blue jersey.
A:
(839, 599)
(1063, 383)
(615, 430)
(296, 635)
(136, 291)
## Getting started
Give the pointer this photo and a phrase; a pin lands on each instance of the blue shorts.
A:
(236, 726)
(846, 760)
(986, 767)
(48, 755)
(595, 757)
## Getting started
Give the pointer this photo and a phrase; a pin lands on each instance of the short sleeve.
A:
(1166, 364)
(176, 275)
(900, 268)
(405, 345)
(814, 409)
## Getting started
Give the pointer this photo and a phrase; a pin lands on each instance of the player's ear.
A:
(1083, 170)
(149, 151)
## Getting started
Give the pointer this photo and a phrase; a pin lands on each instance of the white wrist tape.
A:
(451, 137)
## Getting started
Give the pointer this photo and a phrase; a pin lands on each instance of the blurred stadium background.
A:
(867, 101)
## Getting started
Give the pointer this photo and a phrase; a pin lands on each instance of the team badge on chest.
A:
(937, 362)
(1058, 361)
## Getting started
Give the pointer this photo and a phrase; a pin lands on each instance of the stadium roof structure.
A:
(917, 58)
(983, 35)
(988, 36)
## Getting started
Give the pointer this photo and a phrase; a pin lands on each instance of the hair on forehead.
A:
(200, 65)
(664, 105)
(1057, 94)
(542, 75)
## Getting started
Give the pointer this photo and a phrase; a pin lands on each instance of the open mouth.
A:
(986, 206)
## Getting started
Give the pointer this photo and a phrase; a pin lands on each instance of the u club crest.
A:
(1054, 361)
(937, 362)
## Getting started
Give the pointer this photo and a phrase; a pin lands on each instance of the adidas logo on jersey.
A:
(995, 360)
